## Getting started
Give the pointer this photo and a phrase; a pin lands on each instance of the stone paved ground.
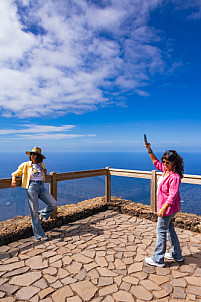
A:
(100, 258)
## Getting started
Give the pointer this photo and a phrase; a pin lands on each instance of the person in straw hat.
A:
(33, 178)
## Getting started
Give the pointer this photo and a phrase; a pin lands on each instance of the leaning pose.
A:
(168, 204)
(33, 178)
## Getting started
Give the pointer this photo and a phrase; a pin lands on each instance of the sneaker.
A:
(44, 238)
(151, 262)
(169, 257)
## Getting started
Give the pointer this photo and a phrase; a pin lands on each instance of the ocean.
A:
(13, 201)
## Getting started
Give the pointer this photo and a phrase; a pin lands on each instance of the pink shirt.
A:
(168, 190)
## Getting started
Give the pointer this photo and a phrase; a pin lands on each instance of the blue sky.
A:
(96, 75)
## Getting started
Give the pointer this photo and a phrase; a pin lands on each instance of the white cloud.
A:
(171, 142)
(14, 41)
(193, 5)
(60, 56)
(99, 18)
(142, 92)
(31, 128)
(46, 136)
(41, 132)
(101, 142)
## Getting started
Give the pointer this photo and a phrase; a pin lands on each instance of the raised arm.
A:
(151, 154)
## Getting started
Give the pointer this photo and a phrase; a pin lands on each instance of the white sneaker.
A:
(44, 238)
(151, 262)
(169, 257)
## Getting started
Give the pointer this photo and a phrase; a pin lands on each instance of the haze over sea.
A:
(13, 201)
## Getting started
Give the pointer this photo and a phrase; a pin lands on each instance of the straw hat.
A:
(36, 150)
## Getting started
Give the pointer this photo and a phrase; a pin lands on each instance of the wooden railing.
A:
(153, 175)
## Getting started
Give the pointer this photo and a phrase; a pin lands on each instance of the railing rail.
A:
(153, 175)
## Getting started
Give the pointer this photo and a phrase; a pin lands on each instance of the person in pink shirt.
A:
(168, 204)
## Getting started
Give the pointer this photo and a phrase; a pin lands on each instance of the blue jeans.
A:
(37, 190)
(165, 226)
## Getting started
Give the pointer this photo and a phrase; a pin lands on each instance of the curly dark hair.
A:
(176, 159)
(39, 158)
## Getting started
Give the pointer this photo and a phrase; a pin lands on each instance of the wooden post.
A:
(53, 190)
(108, 185)
(154, 191)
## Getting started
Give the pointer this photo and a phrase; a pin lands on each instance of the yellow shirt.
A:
(25, 170)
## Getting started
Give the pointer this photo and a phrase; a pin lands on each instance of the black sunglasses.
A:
(165, 162)
(33, 153)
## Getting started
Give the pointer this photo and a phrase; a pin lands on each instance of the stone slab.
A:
(179, 293)
(26, 293)
(61, 294)
(7, 288)
(12, 266)
(123, 296)
(85, 289)
(18, 271)
(140, 292)
(45, 292)
(107, 290)
(35, 262)
(25, 279)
